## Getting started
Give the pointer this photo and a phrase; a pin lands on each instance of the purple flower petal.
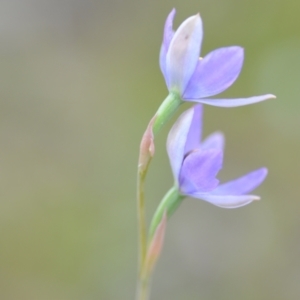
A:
(195, 131)
(214, 141)
(199, 170)
(168, 30)
(168, 35)
(215, 73)
(234, 102)
(183, 53)
(228, 201)
(177, 140)
(242, 185)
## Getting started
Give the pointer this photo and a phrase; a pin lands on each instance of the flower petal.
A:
(199, 170)
(226, 201)
(183, 53)
(168, 35)
(195, 131)
(242, 185)
(234, 102)
(216, 72)
(214, 141)
(176, 141)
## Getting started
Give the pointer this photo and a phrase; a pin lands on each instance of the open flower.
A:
(195, 164)
(194, 78)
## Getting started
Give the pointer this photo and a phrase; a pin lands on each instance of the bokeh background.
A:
(79, 81)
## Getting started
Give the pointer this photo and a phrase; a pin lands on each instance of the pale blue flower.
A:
(193, 78)
(196, 164)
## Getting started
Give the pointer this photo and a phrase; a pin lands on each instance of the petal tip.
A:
(173, 12)
(262, 172)
(196, 19)
(270, 96)
(239, 48)
(242, 49)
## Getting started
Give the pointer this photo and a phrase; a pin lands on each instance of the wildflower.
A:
(193, 78)
(195, 164)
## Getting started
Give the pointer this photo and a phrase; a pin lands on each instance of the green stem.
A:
(163, 114)
(141, 221)
(143, 291)
(166, 111)
(169, 203)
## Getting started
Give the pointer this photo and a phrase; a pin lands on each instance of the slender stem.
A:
(169, 203)
(163, 114)
(141, 220)
(143, 291)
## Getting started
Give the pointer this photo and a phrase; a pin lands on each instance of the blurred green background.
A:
(79, 81)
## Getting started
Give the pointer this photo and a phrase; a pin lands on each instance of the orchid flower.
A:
(195, 165)
(193, 78)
